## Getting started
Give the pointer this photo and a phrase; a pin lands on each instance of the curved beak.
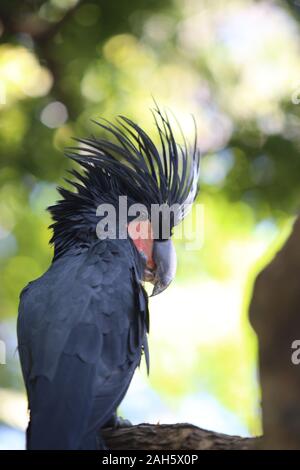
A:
(164, 256)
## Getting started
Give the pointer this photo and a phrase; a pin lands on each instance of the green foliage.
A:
(64, 62)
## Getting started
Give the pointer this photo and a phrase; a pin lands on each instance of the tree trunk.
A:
(275, 316)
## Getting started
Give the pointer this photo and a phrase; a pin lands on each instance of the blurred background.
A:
(235, 66)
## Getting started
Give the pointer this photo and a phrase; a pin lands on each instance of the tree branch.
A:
(173, 437)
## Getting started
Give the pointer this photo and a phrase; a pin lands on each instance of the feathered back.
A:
(128, 165)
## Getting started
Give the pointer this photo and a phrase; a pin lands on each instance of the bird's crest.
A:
(127, 164)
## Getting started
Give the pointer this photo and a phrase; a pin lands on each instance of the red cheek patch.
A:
(142, 236)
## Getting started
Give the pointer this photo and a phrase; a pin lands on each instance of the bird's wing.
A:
(89, 306)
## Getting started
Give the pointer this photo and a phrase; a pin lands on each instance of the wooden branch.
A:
(173, 437)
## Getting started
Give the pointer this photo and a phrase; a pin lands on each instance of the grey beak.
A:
(164, 256)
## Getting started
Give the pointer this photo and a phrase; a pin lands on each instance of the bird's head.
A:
(159, 255)
(163, 181)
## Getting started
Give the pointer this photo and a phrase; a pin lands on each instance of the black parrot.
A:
(82, 326)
